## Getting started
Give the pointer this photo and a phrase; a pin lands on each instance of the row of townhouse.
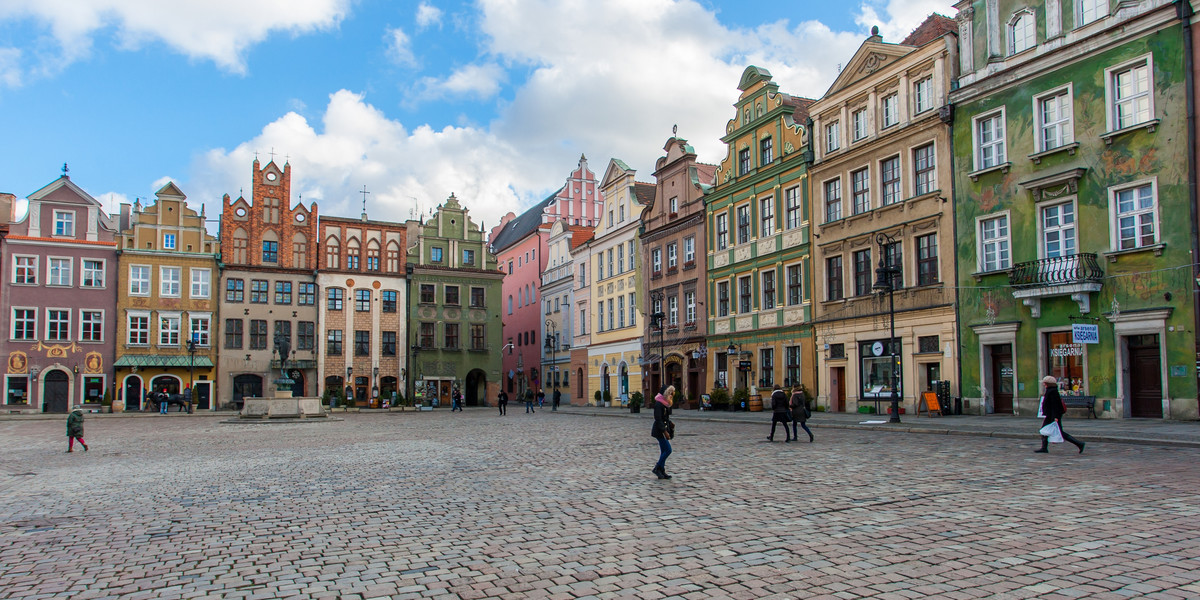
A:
(112, 307)
(976, 207)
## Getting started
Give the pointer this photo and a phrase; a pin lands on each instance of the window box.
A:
(1069, 148)
(656, 275)
(672, 215)
(690, 264)
(672, 270)
(1002, 167)
(1149, 126)
(979, 275)
(1156, 248)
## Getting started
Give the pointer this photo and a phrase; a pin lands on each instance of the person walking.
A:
(556, 399)
(162, 402)
(187, 398)
(541, 399)
(75, 429)
(529, 401)
(780, 413)
(502, 401)
(1054, 409)
(663, 429)
(455, 401)
(800, 413)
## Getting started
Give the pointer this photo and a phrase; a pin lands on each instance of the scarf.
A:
(660, 399)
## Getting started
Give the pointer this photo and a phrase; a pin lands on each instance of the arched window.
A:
(241, 241)
(332, 253)
(373, 255)
(299, 251)
(352, 255)
(393, 257)
(1022, 32)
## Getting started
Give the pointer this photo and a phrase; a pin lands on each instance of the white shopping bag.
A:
(1053, 432)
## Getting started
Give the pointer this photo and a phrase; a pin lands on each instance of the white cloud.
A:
(476, 81)
(399, 48)
(112, 201)
(10, 67)
(427, 15)
(902, 18)
(216, 30)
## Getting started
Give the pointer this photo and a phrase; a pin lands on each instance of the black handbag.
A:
(671, 429)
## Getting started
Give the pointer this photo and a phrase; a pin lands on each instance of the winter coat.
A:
(799, 408)
(662, 420)
(75, 423)
(779, 402)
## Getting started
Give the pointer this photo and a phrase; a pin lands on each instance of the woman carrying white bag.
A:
(1052, 411)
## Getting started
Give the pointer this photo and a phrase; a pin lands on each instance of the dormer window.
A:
(64, 223)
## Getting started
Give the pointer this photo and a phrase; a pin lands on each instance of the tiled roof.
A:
(581, 235)
(527, 223)
(644, 191)
(934, 27)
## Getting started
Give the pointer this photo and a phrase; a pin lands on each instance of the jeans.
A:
(806, 430)
(162, 408)
(664, 450)
(529, 406)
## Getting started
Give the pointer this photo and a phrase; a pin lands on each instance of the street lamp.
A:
(731, 354)
(349, 387)
(551, 347)
(885, 281)
(191, 348)
(658, 321)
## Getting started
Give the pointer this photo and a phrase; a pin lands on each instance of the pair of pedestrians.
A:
(793, 411)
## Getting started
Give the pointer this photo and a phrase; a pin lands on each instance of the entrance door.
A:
(203, 391)
(1145, 377)
(476, 392)
(246, 386)
(837, 389)
(55, 393)
(1002, 379)
(297, 377)
(133, 393)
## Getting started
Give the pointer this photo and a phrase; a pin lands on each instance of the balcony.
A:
(1076, 275)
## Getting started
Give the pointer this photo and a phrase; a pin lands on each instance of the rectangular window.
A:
(600, 267)
(25, 270)
(60, 271)
(833, 200)
(283, 292)
(861, 182)
(632, 255)
(334, 298)
(468, 258)
(93, 273)
(1090, 10)
(791, 198)
(744, 295)
(452, 335)
(362, 300)
(387, 343)
(1058, 230)
(169, 241)
(389, 301)
(993, 245)
(833, 278)
(259, 291)
(927, 259)
(91, 326)
(138, 330)
(64, 223)
(270, 251)
(234, 290)
(170, 284)
(362, 343)
(307, 295)
(352, 259)
(859, 120)
(24, 324)
(768, 289)
(600, 317)
(889, 179)
(478, 336)
(722, 231)
(766, 151)
(722, 298)
(621, 259)
(989, 141)
(428, 293)
(891, 110)
(923, 95)
(333, 342)
(168, 330)
(201, 283)
(795, 293)
(306, 335)
(233, 334)
(674, 205)
(672, 256)
(862, 272)
(632, 311)
(689, 250)
(689, 304)
(372, 262)
(766, 368)
(924, 170)
(427, 331)
(1054, 126)
(199, 330)
(452, 295)
(1130, 95)
(673, 310)
(1137, 217)
(744, 161)
(766, 214)
(833, 137)
(791, 356)
(611, 271)
(743, 224)
(880, 369)
(435, 254)
(478, 297)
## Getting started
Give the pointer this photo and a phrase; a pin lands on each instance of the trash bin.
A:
(958, 405)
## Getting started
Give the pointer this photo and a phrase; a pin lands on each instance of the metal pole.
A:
(892, 344)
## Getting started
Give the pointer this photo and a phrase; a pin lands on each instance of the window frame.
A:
(766, 281)
(233, 339)
(766, 151)
(142, 327)
(362, 300)
(862, 271)
(723, 298)
(766, 216)
(833, 206)
(1064, 126)
(1028, 37)
(745, 230)
(834, 279)
(721, 225)
(260, 291)
(925, 178)
(68, 221)
(1111, 88)
(890, 107)
(163, 282)
(745, 294)
(97, 326)
(981, 242)
(335, 298)
(30, 268)
(170, 337)
(793, 208)
(143, 285)
(65, 278)
(204, 282)
(928, 267)
(860, 190)
(999, 142)
(1081, 11)
(859, 127)
(283, 293)
(1040, 212)
(891, 191)
(1115, 214)
(29, 327)
(795, 283)
(833, 136)
(744, 164)
(98, 274)
(923, 94)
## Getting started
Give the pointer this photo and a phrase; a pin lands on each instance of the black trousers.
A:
(1066, 436)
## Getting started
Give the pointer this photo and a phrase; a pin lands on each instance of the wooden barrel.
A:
(756, 404)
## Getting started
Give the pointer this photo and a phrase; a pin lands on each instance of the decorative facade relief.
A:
(745, 323)
(766, 246)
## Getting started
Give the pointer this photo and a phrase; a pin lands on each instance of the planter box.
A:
(866, 410)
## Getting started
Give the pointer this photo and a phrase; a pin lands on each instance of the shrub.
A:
(107, 399)
(597, 395)
(636, 399)
(741, 398)
(719, 397)
(608, 396)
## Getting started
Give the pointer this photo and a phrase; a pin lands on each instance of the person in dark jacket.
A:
(502, 400)
(556, 399)
(663, 429)
(75, 429)
(800, 413)
(529, 401)
(780, 413)
(1054, 409)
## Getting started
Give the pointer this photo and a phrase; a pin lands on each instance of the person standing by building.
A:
(502, 402)
(456, 401)
(780, 413)
(663, 429)
(163, 402)
(800, 413)
(75, 429)
(187, 398)
(529, 401)
(556, 399)
(541, 399)
(1054, 409)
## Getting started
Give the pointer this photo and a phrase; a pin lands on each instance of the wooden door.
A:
(1002, 379)
(837, 389)
(55, 395)
(1145, 377)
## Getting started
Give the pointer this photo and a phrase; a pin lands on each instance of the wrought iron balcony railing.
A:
(1060, 270)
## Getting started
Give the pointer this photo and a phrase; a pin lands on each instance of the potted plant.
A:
(107, 401)
(635, 402)
(741, 399)
(607, 398)
(597, 396)
(719, 398)
(400, 400)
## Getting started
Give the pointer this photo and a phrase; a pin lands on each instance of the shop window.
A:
(877, 368)
(1065, 362)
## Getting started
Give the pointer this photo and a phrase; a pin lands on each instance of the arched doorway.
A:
(133, 393)
(623, 383)
(579, 384)
(56, 392)
(675, 375)
(476, 392)
(297, 377)
(165, 383)
(246, 386)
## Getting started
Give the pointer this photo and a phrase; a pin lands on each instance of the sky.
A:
(491, 100)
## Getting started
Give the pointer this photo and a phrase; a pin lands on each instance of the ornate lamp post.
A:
(349, 387)
(191, 393)
(885, 281)
(551, 347)
(658, 321)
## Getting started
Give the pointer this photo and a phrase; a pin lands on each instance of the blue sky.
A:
(492, 100)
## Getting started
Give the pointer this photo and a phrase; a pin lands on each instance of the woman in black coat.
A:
(1053, 408)
(663, 429)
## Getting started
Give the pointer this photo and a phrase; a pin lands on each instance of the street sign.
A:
(744, 365)
(1085, 333)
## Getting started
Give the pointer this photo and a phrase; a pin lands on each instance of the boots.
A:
(1045, 446)
(661, 472)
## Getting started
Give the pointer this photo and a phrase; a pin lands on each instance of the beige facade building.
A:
(881, 186)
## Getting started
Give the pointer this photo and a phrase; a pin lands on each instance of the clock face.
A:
(877, 348)
(271, 176)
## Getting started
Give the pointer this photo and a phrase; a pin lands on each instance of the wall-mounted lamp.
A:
(75, 369)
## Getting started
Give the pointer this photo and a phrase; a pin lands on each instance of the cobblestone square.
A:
(472, 505)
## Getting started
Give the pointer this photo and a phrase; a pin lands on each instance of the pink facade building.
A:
(520, 244)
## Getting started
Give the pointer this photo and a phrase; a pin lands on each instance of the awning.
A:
(153, 360)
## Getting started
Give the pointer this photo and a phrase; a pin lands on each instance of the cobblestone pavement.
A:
(471, 505)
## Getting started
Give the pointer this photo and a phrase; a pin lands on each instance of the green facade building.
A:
(1073, 209)
(454, 309)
